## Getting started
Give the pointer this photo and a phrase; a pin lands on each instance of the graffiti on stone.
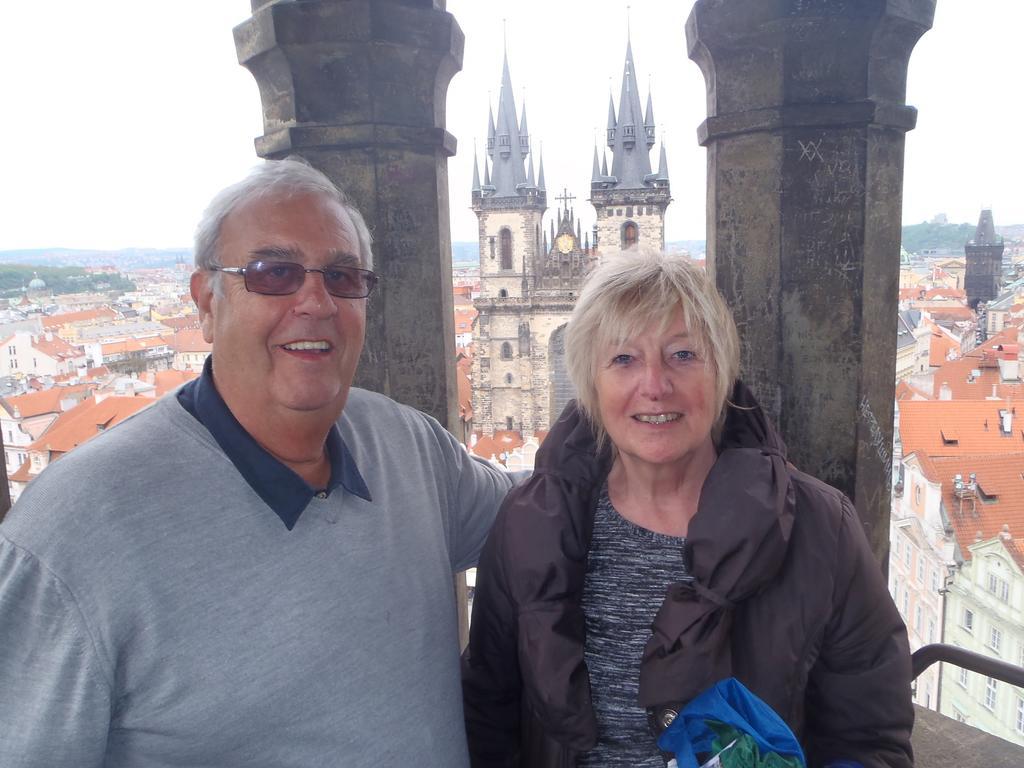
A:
(811, 150)
(878, 439)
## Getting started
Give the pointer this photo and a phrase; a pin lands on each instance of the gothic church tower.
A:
(631, 200)
(509, 205)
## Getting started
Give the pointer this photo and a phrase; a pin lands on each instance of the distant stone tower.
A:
(984, 262)
(510, 206)
(631, 200)
(527, 288)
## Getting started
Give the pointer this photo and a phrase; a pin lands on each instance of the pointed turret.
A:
(530, 180)
(476, 174)
(524, 133)
(663, 164)
(611, 121)
(540, 171)
(985, 234)
(604, 165)
(487, 174)
(490, 131)
(649, 120)
(596, 173)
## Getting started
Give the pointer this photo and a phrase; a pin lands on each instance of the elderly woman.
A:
(663, 544)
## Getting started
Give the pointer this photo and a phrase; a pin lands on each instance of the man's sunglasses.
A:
(280, 278)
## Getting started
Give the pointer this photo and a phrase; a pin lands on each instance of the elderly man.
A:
(255, 570)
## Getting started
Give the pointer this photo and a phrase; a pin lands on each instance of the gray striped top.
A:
(628, 570)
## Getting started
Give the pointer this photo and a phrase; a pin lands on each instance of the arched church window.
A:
(508, 378)
(506, 351)
(508, 423)
(630, 235)
(506, 248)
(502, 293)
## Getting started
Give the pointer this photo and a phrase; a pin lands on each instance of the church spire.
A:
(508, 141)
(540, 169)
(490, 130)
(663, 163)
(631, 162)
(611, 120)
(524, 133)
(596, 174)
(476, 173)
(649, 119)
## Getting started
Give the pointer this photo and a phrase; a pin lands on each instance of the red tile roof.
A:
(190, 340)
(465, 393)
(941, 345)
(957, 374)
(170, 380)
(91, 374)
(951, 428)
(946, 293)
(943, 311)
(101, 314)
(85, 421)
(999, 500)
(21, 474)
(906, 391)
(181, 323)
(134, 345)
(56, 348)
(914, 292)
(464, 318)
(504, 441)
(45, 401)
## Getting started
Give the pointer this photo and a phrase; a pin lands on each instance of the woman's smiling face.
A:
(655, 395)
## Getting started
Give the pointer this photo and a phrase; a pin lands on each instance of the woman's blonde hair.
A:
(632, 290)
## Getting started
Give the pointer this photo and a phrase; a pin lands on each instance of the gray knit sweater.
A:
(154, 612)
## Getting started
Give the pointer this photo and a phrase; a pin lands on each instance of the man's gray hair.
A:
(630, 291)
(290, 176)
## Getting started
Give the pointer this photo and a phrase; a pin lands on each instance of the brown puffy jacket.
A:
(787, 598)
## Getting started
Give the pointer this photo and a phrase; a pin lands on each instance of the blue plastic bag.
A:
(728, 702)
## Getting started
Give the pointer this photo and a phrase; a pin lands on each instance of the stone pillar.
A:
(805, 135)
(358, 88)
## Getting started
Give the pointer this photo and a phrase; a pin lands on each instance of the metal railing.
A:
(1003, 671)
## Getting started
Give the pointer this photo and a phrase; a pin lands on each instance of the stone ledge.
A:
(942, 742)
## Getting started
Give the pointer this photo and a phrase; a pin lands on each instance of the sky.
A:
(123, 118)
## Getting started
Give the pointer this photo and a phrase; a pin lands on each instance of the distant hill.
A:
(14, 278)
(126, 258)
(944, 238)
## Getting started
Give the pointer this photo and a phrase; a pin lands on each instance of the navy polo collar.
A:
(283, 490)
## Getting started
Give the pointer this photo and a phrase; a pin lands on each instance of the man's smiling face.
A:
(278, 355)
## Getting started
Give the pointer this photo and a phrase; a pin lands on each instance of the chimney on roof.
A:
(945, 391)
